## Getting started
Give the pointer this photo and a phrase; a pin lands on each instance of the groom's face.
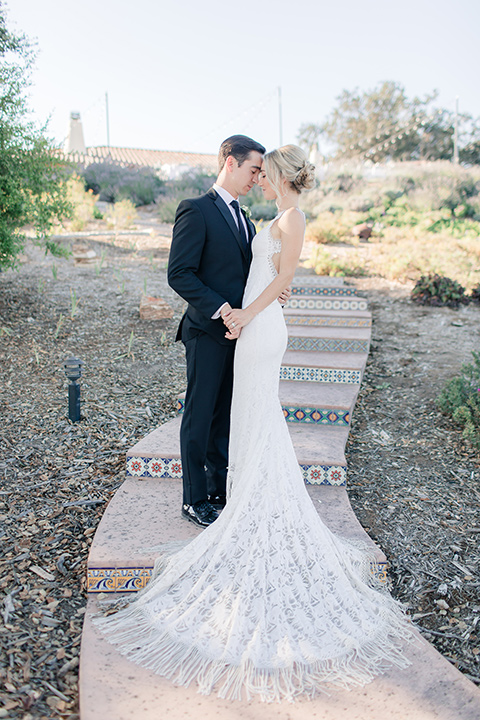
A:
(245, 176)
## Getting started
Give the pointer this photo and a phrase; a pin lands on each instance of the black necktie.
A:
(241, 227)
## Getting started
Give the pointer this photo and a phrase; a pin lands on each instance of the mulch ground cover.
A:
(414, 484)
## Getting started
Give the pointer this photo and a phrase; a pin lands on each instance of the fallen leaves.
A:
(57, 477)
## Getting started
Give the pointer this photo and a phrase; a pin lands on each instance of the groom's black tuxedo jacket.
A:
(208, 263)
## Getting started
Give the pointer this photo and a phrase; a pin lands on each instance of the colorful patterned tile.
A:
(100, 580)
(317, 280)
(127, 580)
(327, 344)
(110, 580)
(309, 303)
(154, 467)
(292, 414)
(136, 466)
(319, 291)
(316, 415)
(324, 474)
(318, 321)
(380, 570)
(325, 375)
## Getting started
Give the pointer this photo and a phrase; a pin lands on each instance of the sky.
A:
(185, 74)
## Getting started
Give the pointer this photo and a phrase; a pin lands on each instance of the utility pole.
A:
(455, 136)
(280, 130)
(108, 121)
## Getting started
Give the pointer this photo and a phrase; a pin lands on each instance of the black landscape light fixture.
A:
(73, 371)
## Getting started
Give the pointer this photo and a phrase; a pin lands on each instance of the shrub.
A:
(167, 207)
(82, 201)
(326, 264)
(475, 293)
(112, 183)
(438, 290)
(121, 215)
(263, 211)
(189, 185)
(460, 399)
(327, 228)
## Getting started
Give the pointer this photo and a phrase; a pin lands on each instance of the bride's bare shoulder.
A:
(292, 221)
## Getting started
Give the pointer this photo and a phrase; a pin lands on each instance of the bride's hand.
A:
(237, 319)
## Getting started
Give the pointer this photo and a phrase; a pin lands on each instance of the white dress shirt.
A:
(227, 199)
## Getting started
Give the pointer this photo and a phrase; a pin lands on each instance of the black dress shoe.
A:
(201, 513)
(218, 501)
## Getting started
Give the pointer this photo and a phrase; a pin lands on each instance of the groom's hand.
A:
(285, 295)
(233, 334)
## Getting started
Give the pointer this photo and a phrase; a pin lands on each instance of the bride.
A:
(265, 601)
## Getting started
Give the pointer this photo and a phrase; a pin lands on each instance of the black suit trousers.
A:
(206, 420)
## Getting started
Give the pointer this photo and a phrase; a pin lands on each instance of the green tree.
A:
(308, 136)
(383, 124)
(32, 173)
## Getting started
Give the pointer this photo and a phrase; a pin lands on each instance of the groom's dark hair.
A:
(240, 147)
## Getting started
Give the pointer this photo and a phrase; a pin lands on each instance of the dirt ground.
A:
(414, 483)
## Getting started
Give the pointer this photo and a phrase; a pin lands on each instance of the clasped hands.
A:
(235, 319)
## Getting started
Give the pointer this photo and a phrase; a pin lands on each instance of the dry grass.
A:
(403, 254)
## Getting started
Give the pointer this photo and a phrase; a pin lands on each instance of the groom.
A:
(208, 266)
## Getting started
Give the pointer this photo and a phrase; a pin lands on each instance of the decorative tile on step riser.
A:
(319, 291)
(318, 321)
(323, 416)
(317, 280)
(318, 416)
(144, 467)
(326, 304)
(324, 474)
(154, 467)
(327, 344)
(325, 375)
(110, 580)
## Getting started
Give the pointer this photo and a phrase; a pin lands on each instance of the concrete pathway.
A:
(329, 335)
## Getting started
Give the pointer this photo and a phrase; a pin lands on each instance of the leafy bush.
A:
(263, 211)
(121, 215)
(438, 290)
(82, 201)
(326, 264)
(112, 182)
(33, 189)
(327, 228)
(189, 185)
(460, 399)
(475, 293)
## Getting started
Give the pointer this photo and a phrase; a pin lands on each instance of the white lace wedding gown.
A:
(266, 600)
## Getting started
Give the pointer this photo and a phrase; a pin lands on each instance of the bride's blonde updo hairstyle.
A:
(291, 163)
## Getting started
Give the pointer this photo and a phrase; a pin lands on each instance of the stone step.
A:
(298, 302)
(320, 452)
(321, 403)
(331, 367)
(327, 404)
(120, 559)
(328, 339)
(328, 318)
(113, 688)
(317, 280)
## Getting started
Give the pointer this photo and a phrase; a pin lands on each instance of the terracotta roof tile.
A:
(145, 158)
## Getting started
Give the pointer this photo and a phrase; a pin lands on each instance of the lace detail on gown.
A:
(266, 600)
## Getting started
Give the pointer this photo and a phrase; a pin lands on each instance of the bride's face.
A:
(268, 192)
